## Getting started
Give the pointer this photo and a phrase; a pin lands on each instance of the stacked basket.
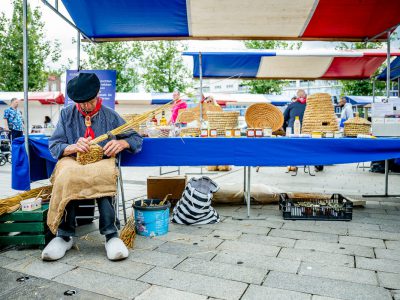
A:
(206, 108)
(357, 125)
(264, 115)
(320, 114)
(221, 120)
(190, 131)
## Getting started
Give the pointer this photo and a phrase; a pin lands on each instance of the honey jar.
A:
(236, 132)
(213, 133)
(258, 132)
(316, 134)
(204, 132)
(251, 132)
(267, 131)
(228, 132)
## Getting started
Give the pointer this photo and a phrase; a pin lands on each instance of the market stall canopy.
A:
(362, 100)
(394, 70)
(145, 98)
(247, 99)
(289, 64)
(42, 97)
(354, 20)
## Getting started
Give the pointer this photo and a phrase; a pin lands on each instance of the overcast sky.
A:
(56, 28)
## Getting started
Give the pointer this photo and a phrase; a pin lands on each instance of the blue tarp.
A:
(226, 151)
(394, 70)
(362, 100)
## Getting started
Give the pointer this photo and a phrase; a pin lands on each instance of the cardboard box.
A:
(160, 186)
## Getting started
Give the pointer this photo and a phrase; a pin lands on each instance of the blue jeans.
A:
(15, 134)
(108, 223)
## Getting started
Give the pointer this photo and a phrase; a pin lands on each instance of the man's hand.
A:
(114, 147)
(82, 146)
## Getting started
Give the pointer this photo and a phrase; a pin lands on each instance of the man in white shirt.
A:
(347, 111)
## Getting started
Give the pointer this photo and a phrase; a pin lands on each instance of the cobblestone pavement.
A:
(261, 257)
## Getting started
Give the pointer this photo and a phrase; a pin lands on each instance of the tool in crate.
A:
(312, 207)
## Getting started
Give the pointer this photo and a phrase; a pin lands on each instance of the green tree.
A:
(361, 87)
(163, 67)
(11, 50)
(268, 86)
(119, 56)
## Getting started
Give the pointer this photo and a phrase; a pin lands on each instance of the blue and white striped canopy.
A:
(394, 70)
(233, 19)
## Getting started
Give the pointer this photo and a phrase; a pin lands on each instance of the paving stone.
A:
(384, 235)
(316, 297)
(368, 242)
(147, 243)
(390, 228)
(384, 265)
(255, 292)
(314, 228)
(102, 283)
(250, 248)
(8, 280)
(384, 216)
(155, 258)
(340, 273)
(267, 240)
(38, 288)
(193, 229)
(226, 235)
(394, 245)
(195, 283)
(389, 280)
(37, 267)
(187, 250)
(257, 261)
(223, 270)
(159, 292)
(310, 236)
(387, 254)
(125, 268)
(202, 241)
(325, 287)
(396, 294)
(259, 223)
(317, 256)
(21, 254)
(239, 227)
(335, 248)
(5, 260)
(353, 224)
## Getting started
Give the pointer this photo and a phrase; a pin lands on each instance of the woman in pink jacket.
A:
(177, 105)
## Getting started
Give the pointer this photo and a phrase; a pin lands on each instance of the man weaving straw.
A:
(78, 125)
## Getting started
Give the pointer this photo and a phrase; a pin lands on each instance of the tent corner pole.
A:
(25, 73)
(78, 50)
(373, 89)
(201, 87)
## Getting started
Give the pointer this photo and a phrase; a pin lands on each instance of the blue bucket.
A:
(151, 220)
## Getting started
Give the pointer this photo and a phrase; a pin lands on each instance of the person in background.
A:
(14, 121)
(177, 105)
(294, 109)
(347, 111)
(47, 122)
(210, 100)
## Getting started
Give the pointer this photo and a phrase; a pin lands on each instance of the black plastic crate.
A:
(335, 208)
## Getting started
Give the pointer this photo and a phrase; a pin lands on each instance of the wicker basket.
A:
(263, 115)
(357, 125)
(221, 120)
(319, 115)
(186, 116)
(206, 107)
(192, 132)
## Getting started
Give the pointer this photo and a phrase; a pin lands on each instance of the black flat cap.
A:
(83, 87)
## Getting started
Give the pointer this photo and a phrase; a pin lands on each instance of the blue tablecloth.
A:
(216, 151)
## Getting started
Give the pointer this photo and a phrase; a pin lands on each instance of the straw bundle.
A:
(264, 115)
(320, 114)
(87, 158)
(357, 125)
(221, 120)
(128, 233)
(11, 204)
(186, 116)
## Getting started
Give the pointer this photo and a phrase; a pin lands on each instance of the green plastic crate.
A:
(24, 227)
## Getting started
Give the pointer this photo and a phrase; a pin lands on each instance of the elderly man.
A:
(14, 121)
(78, 125)
(347, 111)
(295, 109)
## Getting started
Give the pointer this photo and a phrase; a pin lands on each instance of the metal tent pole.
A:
(373, 90)
(78, 51)
(201, 86)
(25, 73)
(387, 96)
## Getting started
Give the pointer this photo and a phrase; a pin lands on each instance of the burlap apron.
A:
(72, 181)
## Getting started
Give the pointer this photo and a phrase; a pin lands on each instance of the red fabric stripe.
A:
(353, 67)
(352, 18)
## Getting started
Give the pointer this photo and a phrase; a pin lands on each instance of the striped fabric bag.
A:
(195, 205)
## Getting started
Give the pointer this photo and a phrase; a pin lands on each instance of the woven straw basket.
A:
(95, 154)
(194, 132)
(320, 114)
(263, 115)
(221, 120)
(357, 125)
(206, 107)
(186, 116)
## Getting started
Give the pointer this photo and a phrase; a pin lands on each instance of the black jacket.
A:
(294, 109)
